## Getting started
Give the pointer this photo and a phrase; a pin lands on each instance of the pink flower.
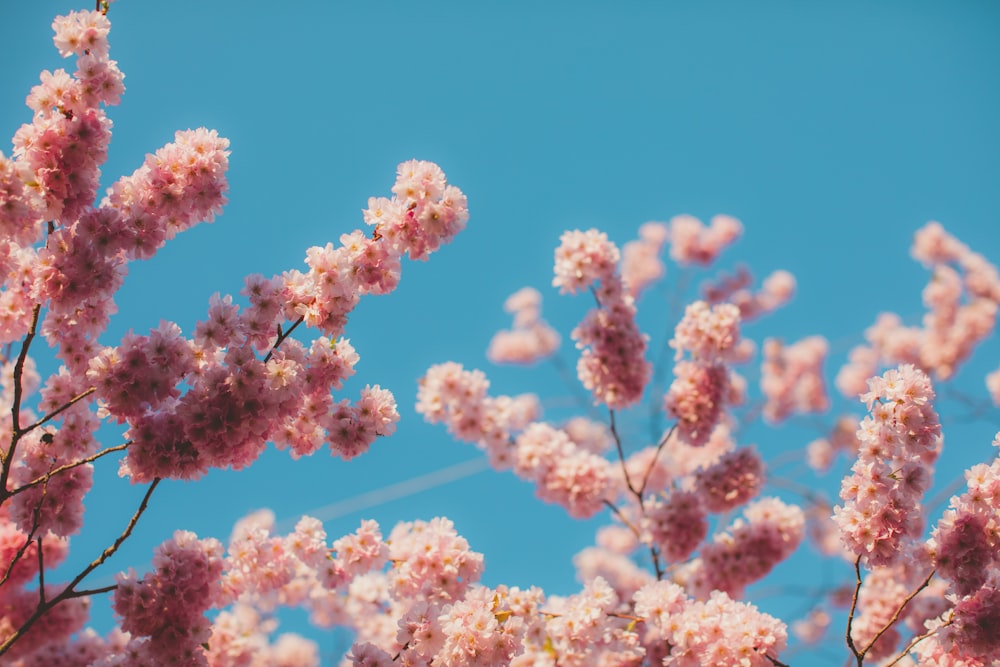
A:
(692, 242)
(583, 259)
(792, 378)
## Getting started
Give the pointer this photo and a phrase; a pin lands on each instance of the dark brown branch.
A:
(47, 476)
(41, 572)
(92, 591)
(36, 519)
(282, 335)
(7, 458)
(73, 401)
(635, 531)
(69, 591)
(621, 457)
(899, 610)
(917, 640)
(850, 616)
(656, 455)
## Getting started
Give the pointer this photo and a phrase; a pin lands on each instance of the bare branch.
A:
(73, 401)
(69, 591)
(7, 458)
(47, 476)
(282, 335)
(899, 610)
(850, 616)
(652, 463)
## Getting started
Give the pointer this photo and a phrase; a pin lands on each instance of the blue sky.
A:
(832, 130)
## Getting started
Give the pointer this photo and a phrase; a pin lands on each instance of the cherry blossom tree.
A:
(692, 520)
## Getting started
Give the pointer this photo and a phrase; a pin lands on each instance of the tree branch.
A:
(850, 616)
(47, 476)
(73, 401)
(69, 592)
(899, 610)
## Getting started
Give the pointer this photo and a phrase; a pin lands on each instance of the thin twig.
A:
(92, 591)
(45, 478)
(7, 458)
(899, 610)
(36, 519)
(917, 640)
(621, 456)
(282, 335)
(850, 616)
(635, 531)
(656, 455)
(41, 572)
(73, 401)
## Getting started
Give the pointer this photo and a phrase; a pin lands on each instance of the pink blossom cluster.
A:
(54, 628)
(708, 333)
(820, 453)
(584, 259)
(425, 213)
(55, 505)
(61, 150)
(641, 263)
(776, 290)
(691, 242)
(791, 377)
(581, 632)
(531, 338)
(235, 402)
(612, 365)
(962, 299)
(240, 636)
(164, 611)
(731, 481)
(747, 550)
(715, 631)
(965, 543)
(993, 386)
(459, 398)
(879, 598)
(701, 385)
(19, 570)
(432, 561)
(900, 440)
(614, 566)
(675, 525)
(563, 473)
(967, 635)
